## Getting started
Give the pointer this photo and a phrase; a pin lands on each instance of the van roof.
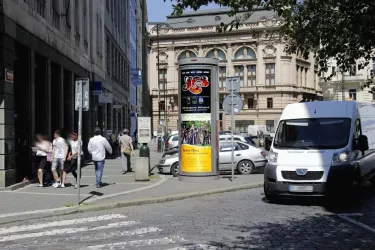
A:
(319, 109)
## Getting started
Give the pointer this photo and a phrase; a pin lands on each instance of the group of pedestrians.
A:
(62, 155)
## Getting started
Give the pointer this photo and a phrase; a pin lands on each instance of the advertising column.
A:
(198, 104)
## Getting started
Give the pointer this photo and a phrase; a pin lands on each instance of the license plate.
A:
(302, 189)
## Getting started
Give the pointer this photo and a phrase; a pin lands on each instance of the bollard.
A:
(144, 151)
(142, 169)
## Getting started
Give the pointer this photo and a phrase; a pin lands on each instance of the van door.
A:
(367, 160)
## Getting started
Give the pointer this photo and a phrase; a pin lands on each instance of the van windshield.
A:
(317, 133)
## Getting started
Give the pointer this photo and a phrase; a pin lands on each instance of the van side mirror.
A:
(362, 143)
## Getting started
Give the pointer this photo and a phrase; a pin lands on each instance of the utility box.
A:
(141, 169)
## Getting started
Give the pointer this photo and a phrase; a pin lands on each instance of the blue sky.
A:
(158, 9)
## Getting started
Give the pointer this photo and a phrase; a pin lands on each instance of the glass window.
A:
(250, 103)
(270, 74)
(238, 71)
(228, 146)
(222, 76)
(251, 75)
(315, 133)
(162, 105)
(241, 126)
(217, 53)
(269, 103)
(245, 53)
(162, 78)
(353, 94)
(187, 54)
(270, 124)
(243, 146)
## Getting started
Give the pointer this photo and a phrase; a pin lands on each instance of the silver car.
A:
(171, 142)
(247, 159)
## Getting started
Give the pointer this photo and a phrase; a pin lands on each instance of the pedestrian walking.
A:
(59, 153)
(42, 149)
(73, 156)
(126, 144)
(98, 145)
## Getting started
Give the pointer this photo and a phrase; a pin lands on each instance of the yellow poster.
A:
(195, 159)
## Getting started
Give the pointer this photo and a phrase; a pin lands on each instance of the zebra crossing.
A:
(112, 231)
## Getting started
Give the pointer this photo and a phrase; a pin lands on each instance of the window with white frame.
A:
(222, 76)
(239, 71)
(251, 75)
(270, 74)
(353, 94)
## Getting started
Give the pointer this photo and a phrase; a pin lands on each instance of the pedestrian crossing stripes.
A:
(112, 231)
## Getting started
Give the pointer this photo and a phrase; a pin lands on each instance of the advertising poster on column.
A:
(195, 120)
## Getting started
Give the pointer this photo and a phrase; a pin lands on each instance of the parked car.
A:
(247, 159)
(171, 142)
(246, 139)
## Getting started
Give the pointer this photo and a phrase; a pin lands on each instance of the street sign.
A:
(232, 105)
(106, 98)
(144, 129)
(233, 83)
(85, 93)
(97, 88)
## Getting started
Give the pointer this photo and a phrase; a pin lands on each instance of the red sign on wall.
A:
(9, 76)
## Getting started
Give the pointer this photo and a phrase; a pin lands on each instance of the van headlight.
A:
(341, 157)
(272, 156)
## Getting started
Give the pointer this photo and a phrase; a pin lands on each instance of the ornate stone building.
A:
(270, 78)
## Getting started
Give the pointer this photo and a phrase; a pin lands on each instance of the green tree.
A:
(343, 30)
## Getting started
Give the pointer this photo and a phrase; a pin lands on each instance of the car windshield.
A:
(317, 133)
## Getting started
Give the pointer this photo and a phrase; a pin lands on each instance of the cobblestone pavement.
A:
(237, 220)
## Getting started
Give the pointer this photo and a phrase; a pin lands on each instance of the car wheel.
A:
(245, 167)
(174, 169)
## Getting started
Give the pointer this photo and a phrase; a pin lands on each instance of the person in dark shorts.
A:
(73, 156)
(42, 146)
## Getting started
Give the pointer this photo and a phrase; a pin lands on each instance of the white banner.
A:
(144, 130)
(105, 98)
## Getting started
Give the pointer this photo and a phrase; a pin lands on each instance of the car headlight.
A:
(341, 157)
(162, 161)
(272, 156)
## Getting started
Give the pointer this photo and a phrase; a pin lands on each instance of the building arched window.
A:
(187, 54)
(217, 53)
(245, 53)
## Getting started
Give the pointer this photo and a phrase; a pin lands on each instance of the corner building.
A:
(270, 78)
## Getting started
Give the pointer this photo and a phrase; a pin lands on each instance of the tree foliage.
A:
(343, 30)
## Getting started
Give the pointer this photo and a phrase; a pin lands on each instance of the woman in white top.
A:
(42, 146)
(73, 156)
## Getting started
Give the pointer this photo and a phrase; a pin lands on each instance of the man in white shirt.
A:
(97, 147)
(59, 152)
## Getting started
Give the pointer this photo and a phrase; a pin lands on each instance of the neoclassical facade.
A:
(270, 78)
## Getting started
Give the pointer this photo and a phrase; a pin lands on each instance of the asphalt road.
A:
(236, 220)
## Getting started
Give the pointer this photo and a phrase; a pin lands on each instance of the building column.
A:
(62, 97)
(48, 96)
(72, 102)
(32, 92)
(229, 61)
(245, 75)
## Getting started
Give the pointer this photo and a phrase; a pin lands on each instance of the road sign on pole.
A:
(82, 104)
(85, 93)
(232, 105)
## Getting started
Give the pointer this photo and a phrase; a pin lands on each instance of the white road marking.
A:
(191, 247)
(23, 228)
(364, 226)
(64, 231)
(146, 242)
(86, 238)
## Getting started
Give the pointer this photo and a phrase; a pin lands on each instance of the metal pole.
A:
(79, 143)
(231, 125)
(342, 87)
(166, 106)
(158, 62)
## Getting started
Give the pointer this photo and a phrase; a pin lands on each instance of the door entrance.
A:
(22, 112)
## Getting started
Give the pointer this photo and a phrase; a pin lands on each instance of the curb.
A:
(92, 208)
(163, 199)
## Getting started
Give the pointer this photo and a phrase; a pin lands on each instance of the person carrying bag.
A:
(126, 144)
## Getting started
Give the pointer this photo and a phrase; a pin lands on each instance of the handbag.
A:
(127, 151)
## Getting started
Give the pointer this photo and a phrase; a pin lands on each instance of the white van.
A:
(321, 148)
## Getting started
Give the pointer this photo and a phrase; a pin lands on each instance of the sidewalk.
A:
(119, 190)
